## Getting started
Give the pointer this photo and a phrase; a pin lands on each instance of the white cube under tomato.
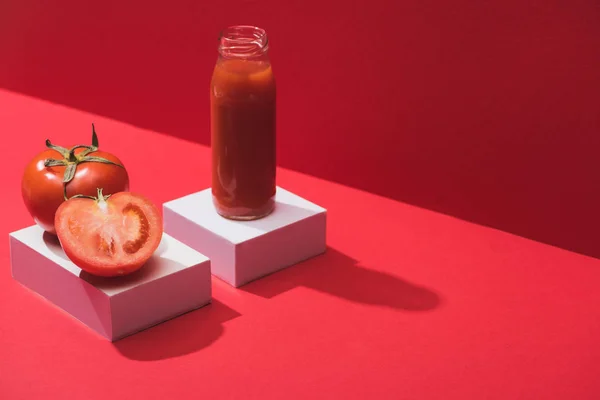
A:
(174, 281)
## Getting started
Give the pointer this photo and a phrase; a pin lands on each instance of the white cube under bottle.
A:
(242, 251)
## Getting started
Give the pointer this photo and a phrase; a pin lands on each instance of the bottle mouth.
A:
(243, 41)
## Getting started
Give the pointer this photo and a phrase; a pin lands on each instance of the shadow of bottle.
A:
(339, 275)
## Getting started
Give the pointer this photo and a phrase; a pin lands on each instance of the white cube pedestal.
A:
(174, 281)
(242, 251)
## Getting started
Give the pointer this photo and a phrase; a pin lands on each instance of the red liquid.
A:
(243, 138)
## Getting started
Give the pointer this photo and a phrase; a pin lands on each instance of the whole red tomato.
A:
(58, 172)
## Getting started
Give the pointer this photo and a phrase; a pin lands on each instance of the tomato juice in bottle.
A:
(242, 94)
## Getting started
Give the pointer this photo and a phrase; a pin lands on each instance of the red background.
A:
(485, 111)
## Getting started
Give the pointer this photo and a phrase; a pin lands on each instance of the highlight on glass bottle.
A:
(242, 101)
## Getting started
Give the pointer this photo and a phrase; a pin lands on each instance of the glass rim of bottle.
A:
(243, 41)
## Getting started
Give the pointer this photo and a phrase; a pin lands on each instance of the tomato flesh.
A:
(109, 238)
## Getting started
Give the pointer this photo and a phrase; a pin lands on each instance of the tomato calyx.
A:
(100, 198)
(71, 160)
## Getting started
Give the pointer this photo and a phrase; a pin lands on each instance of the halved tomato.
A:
(109, 235)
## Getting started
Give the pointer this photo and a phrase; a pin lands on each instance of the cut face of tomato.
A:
(109, 237)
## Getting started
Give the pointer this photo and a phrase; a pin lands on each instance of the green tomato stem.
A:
(71, 161)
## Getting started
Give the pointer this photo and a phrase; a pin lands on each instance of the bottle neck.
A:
(243, 42)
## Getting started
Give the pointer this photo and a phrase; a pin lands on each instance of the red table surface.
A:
(406, 303)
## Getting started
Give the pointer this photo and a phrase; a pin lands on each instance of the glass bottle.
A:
(242, 94)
